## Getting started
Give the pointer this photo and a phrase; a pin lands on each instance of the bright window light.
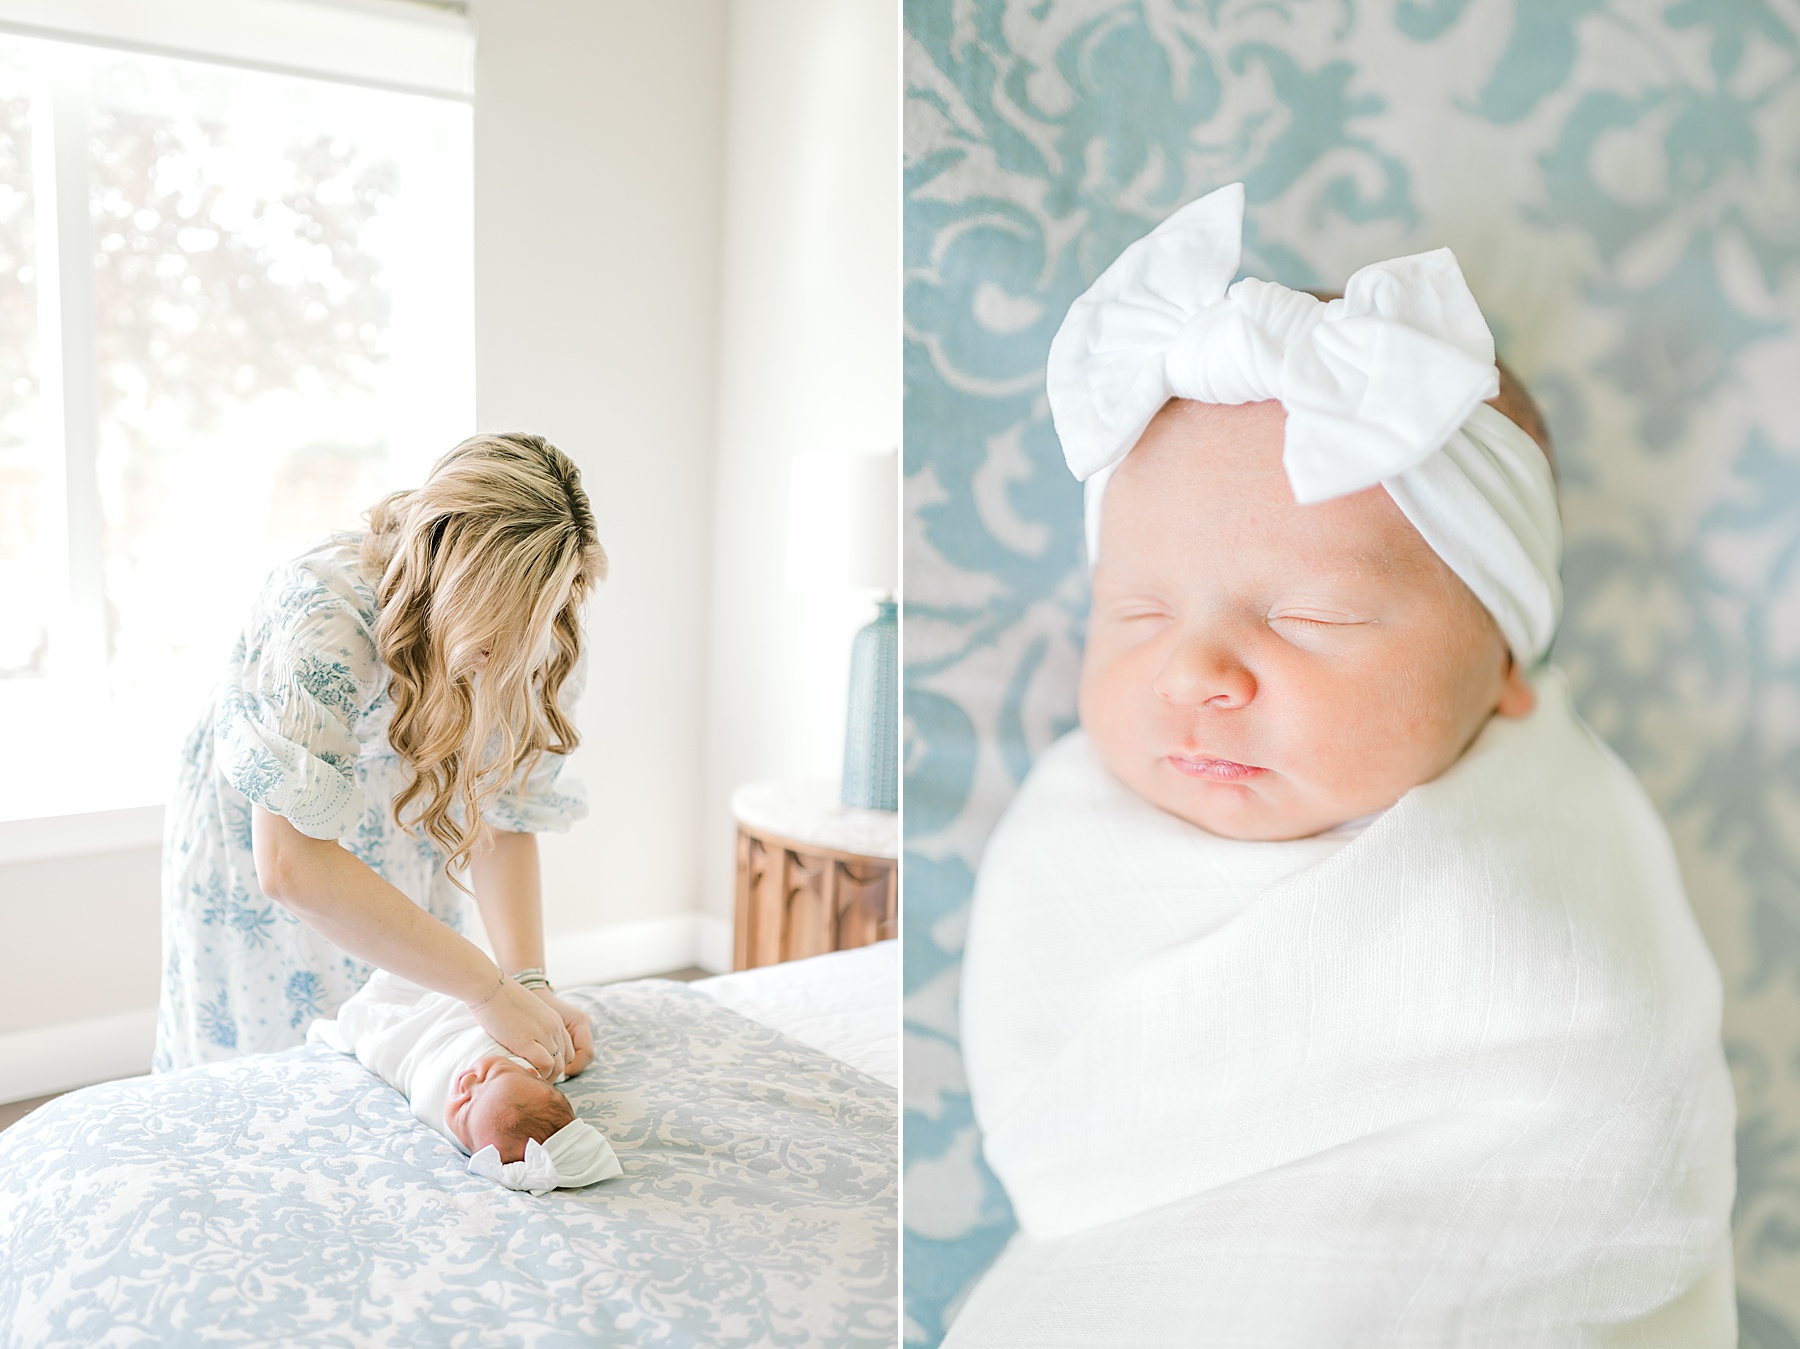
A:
(235, 308)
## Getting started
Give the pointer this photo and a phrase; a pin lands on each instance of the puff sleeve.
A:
(284, 735)
(544, 802)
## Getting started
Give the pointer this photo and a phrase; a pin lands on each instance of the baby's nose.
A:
(1203, 671)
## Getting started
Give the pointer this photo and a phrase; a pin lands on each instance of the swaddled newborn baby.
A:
(521, 1130)
(1332, 985)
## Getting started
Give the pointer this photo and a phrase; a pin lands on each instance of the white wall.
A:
(598, 178)
(82, 937)
(809, 360)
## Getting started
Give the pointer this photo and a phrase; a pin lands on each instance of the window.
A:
(235, 308)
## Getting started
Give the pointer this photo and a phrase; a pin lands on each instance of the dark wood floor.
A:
(11, 1112)
(14, 1111)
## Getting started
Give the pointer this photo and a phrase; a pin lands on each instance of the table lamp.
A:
(844, 534)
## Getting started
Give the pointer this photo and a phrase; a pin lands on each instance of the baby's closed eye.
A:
(1319, 618)
(1138, 611)
(1318, 629)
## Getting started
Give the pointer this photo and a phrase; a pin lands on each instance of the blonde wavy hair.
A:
(474, 565)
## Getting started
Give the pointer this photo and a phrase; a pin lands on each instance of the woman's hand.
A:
(575, 1021)
(527, 1027)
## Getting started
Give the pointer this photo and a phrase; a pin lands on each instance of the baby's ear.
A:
(1517, 698)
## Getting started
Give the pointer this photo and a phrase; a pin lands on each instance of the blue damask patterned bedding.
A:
(291, 1199)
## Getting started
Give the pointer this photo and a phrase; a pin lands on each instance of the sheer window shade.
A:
(237, 308)
(411, 46)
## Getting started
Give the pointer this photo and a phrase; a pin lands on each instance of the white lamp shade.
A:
(844, 521)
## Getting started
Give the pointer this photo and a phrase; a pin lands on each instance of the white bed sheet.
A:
(846, 1003)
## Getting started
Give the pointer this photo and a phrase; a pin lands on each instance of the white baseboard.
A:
(69, 1054)
(603, 955)
(712, 949)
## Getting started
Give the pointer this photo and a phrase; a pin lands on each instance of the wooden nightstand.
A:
(813, 875)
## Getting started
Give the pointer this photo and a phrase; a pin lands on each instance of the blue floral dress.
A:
(298, 727)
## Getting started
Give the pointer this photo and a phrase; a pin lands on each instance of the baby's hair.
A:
(537, 1116)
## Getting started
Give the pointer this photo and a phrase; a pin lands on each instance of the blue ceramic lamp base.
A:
(872, 725)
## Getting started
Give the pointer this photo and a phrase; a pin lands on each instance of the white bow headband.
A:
(575, 1155)
(1387, 385)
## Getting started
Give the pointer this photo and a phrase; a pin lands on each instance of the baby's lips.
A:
(1209, 769)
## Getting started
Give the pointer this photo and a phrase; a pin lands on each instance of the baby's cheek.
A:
(1105, 703)
(1363, 752)
(1090, 700)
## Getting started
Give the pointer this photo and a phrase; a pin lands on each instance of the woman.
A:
(397, 709)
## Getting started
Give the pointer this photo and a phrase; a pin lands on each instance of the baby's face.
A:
(1268, 670)
(483, 1101)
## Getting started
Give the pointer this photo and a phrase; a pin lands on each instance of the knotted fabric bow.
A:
(575, 1155)
(1387, 385)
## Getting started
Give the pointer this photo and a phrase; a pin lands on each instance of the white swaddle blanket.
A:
(1454, 1081)
(417, 1042)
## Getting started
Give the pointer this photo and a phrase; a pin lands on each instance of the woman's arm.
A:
(346, 902)
(509, 891)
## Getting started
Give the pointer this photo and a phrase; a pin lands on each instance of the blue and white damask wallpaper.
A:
(1620, 180)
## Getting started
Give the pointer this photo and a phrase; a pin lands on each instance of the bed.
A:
(291, 1198)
